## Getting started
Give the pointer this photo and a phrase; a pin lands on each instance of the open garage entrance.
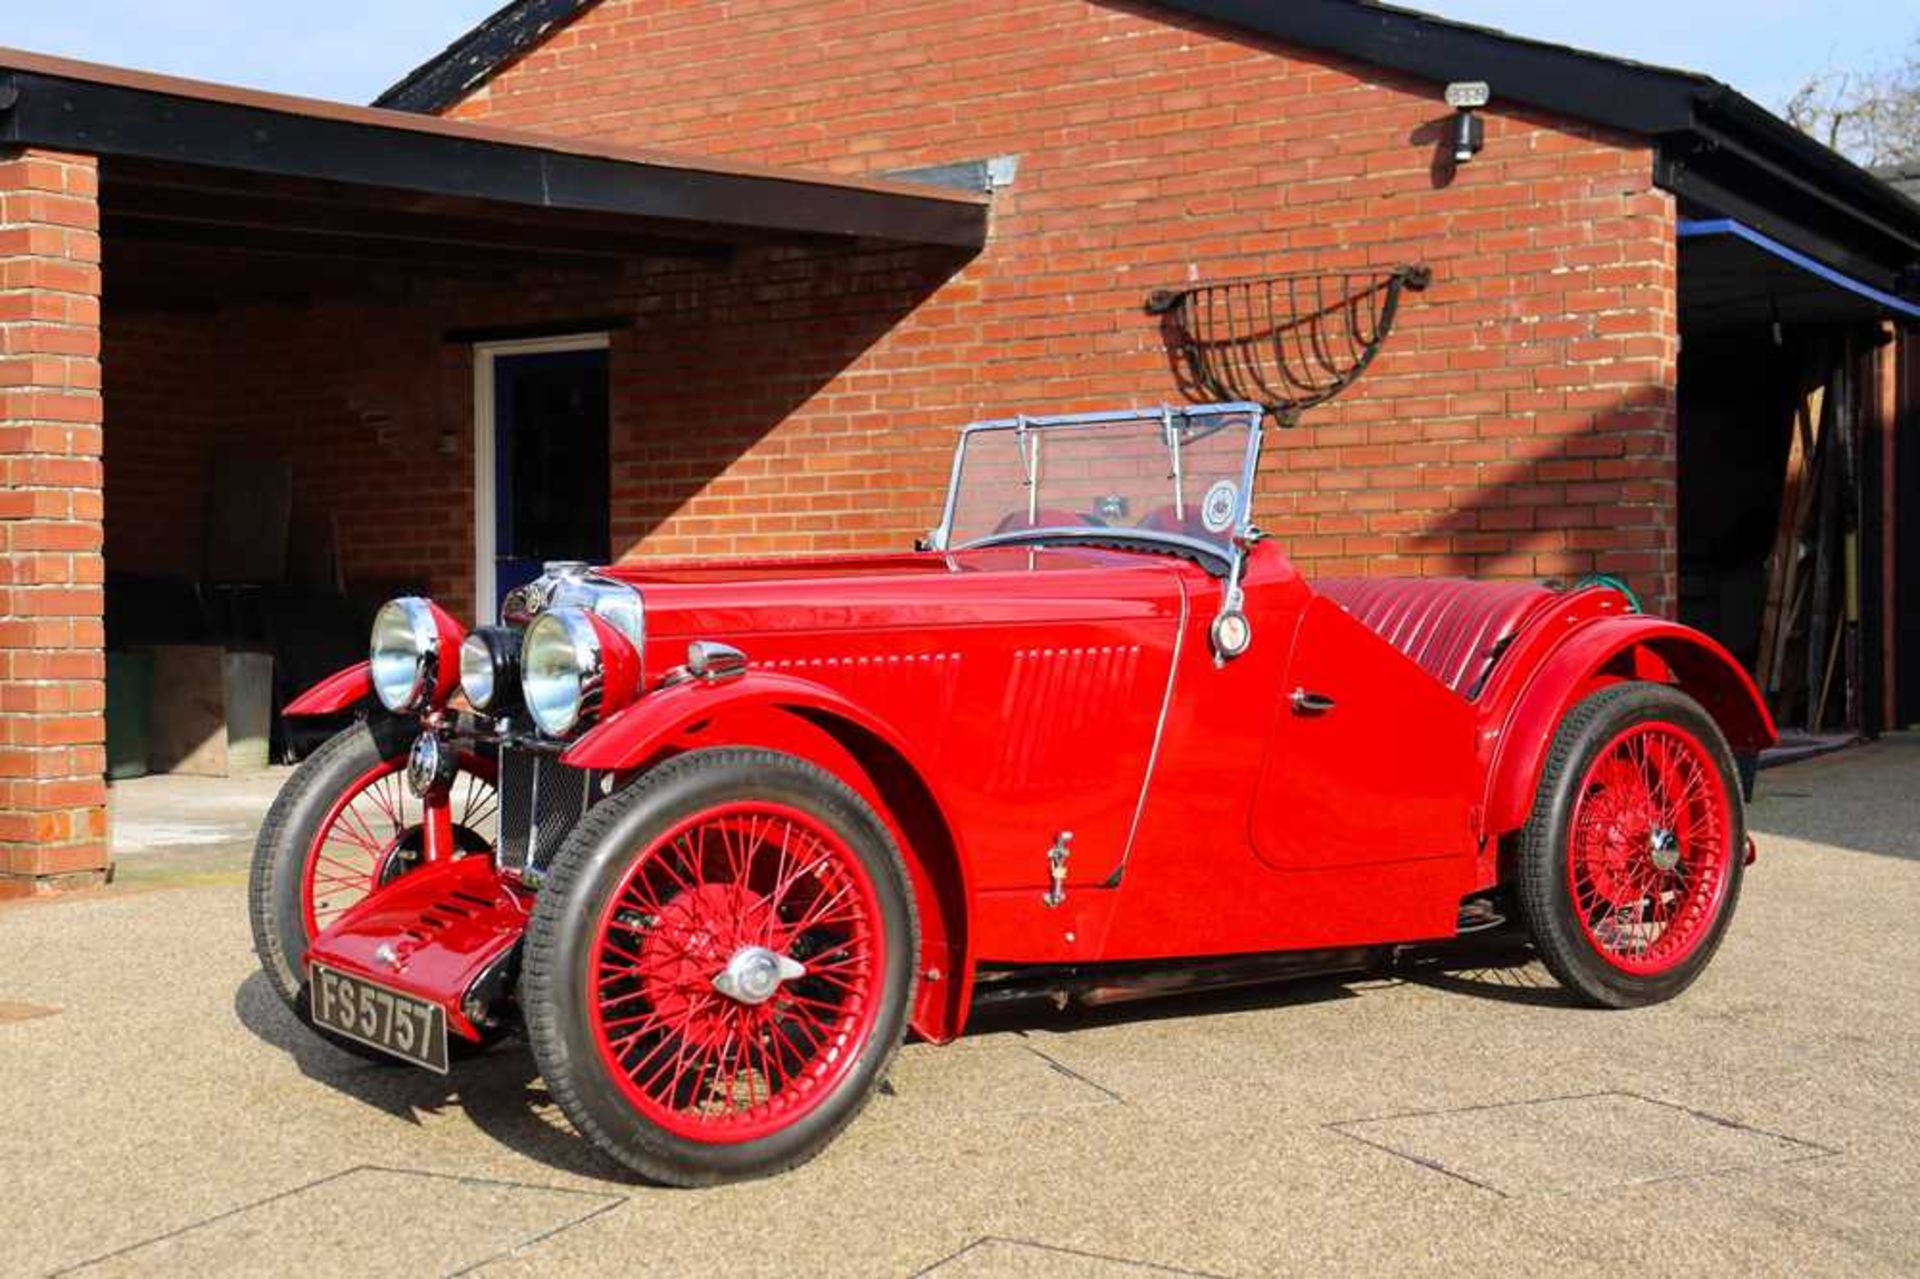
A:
(1788, 445)
(327, 393)
(280, 360)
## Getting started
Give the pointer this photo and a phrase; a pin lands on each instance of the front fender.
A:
(341, 691)
(1647, 648)
(638, 733)
(884, 766)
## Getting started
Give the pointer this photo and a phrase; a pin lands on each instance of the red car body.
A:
(985, 700)
(1095, 743)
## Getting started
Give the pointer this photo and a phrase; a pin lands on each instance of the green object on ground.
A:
(129, 692)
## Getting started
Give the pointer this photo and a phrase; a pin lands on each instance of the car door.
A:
(1369, 760)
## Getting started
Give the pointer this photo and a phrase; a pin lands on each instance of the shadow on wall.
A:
(1469, 454)
(741, 423)
(1600, 498)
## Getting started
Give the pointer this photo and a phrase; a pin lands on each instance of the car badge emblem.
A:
(1218, 508)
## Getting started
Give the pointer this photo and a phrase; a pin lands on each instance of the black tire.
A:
(1542, 875)
(279, 860)
(592, 864)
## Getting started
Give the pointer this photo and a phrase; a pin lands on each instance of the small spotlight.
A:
(1469, 130)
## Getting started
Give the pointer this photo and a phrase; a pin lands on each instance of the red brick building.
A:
(757, 262)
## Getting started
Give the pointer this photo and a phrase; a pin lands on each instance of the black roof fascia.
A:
(1633, 97)
(1780, 144)
(1741, 161)
(475, 57)
(43, 109)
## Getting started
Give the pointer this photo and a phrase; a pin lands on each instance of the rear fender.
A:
(815, 723)
(1634, 647)
(341, 691)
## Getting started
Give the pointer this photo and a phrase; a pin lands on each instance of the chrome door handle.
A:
(1305, 703)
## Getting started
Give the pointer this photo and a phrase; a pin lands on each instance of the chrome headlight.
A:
(562, 664)
(490, 669)
(575, 665)
(404, 654)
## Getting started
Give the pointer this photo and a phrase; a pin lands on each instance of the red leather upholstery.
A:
(1453, 627)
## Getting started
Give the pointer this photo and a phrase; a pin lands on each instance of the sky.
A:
(350, 50)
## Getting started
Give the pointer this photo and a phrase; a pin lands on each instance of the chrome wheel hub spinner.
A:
(1664, 847)
(754, 974)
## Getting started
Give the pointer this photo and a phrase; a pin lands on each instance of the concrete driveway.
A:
(160, 1113)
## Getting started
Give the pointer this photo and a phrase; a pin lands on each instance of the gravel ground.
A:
(165, 1115)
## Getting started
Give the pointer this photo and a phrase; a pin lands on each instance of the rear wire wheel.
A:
(1630, 866)
(720, 966)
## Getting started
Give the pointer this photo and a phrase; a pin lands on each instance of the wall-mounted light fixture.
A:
(1469, 130)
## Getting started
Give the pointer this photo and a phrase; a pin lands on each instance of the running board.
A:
(1097, 985)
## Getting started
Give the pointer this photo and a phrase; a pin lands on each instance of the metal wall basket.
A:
(1287, 342)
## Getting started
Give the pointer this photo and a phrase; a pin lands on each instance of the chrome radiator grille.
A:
(540, 800)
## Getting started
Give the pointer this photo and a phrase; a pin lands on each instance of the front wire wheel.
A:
(343, 825)
(719, 966)
(736, 895)
(1629, 868)
(373, 834)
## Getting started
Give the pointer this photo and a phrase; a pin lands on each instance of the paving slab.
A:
(370, 1219)
(1577, 1145)
(165, 1115)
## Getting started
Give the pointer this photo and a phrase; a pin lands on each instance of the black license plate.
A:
(411, 1029)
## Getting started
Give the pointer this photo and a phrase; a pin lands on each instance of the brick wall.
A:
(52, 754)
(1520, 424)
(171, 395)
(358, 396)
(742, 420)
(355, 395)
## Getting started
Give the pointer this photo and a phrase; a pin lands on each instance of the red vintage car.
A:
(715, 838)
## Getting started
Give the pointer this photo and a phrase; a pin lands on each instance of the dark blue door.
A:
(550, 463)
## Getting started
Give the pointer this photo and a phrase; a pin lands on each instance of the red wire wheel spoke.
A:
(1649, 848)
(371, 821)
(744, 876)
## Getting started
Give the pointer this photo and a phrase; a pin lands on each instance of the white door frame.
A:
(485, 354)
